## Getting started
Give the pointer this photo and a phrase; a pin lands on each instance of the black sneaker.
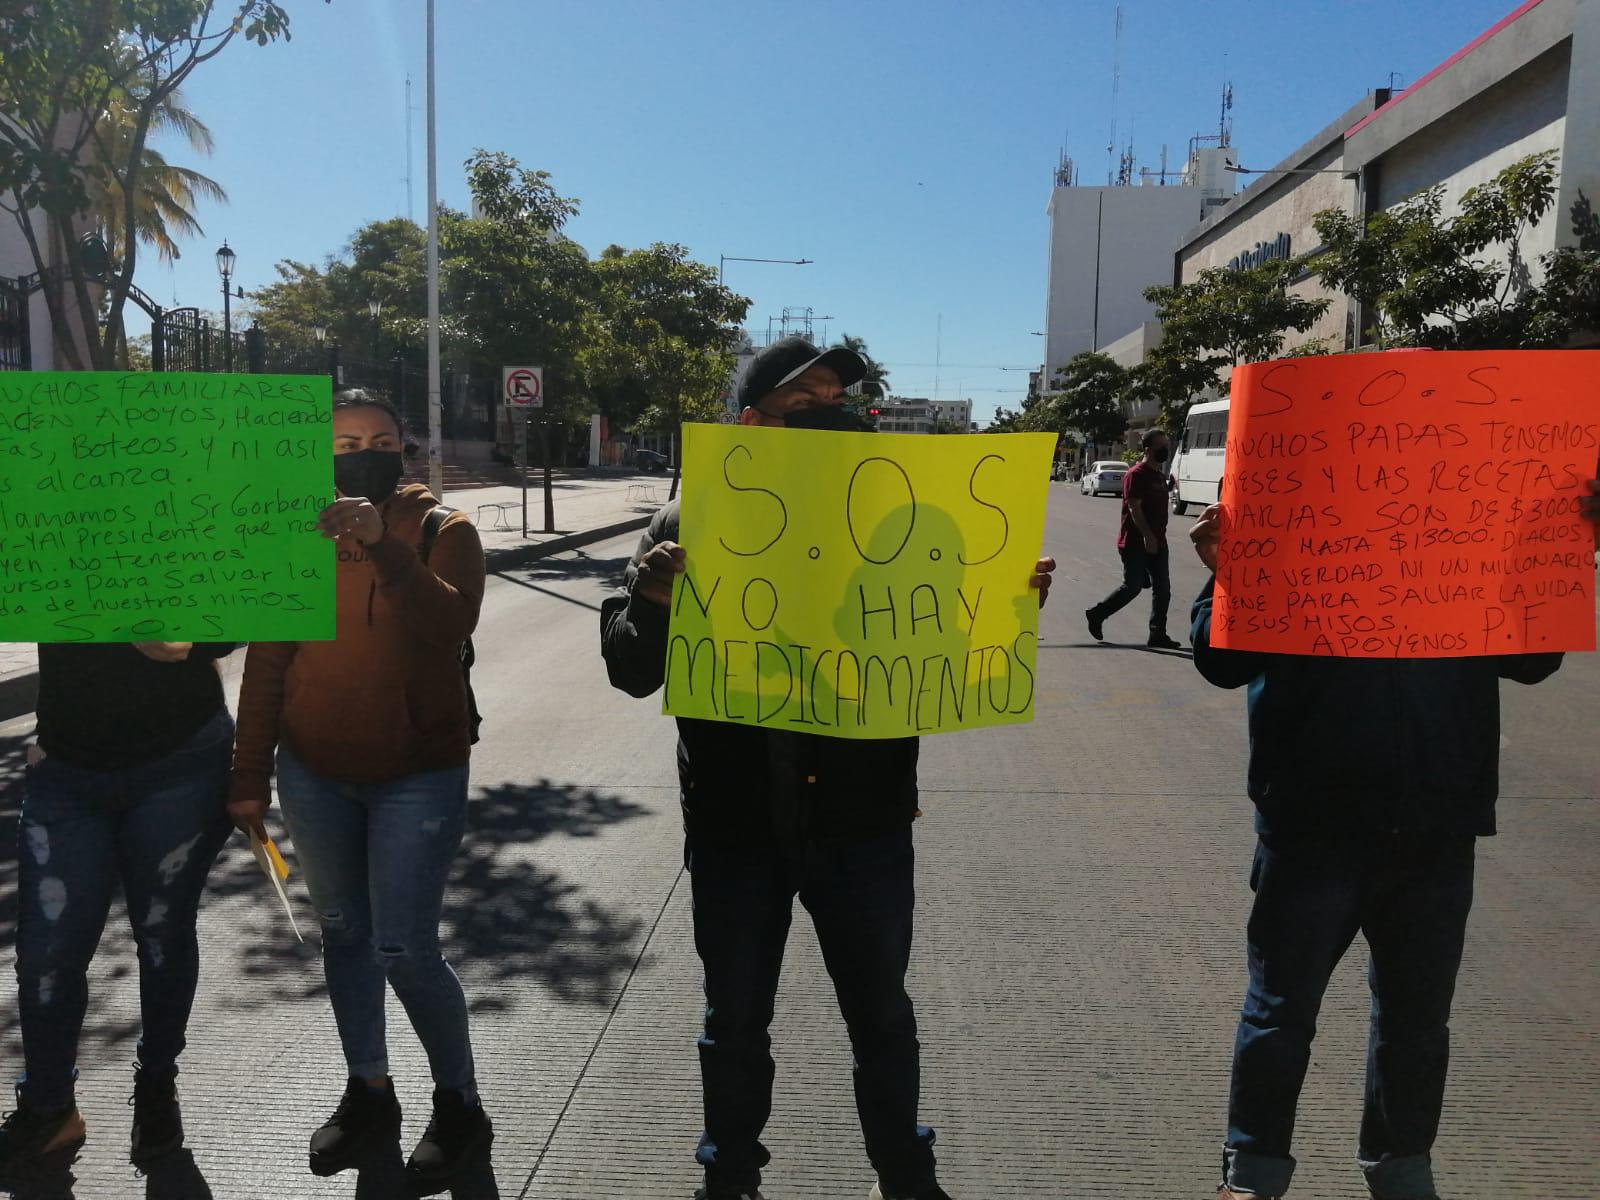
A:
(157, 1119)
(1096, 625)
(934, 1193)
(365, 1118)
(1161, 641)
(31, 1135)
(706, 1193)
(457, 1131)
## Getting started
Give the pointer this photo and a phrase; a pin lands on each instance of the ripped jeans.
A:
(158, 827)
(375, 858)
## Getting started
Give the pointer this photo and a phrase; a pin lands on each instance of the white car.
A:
(1103, 477)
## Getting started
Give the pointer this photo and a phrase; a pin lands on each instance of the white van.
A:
(1197, 466)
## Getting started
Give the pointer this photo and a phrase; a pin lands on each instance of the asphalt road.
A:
(1079, 962)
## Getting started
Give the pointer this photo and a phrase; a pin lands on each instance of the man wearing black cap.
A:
(770, 815)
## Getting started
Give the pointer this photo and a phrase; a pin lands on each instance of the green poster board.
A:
(165, 507)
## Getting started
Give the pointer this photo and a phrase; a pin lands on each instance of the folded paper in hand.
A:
(275, 869)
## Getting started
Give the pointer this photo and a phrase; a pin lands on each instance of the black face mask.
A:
(370, 474)
(1159, 453)
(830, 416)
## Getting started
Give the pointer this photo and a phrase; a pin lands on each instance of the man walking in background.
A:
(1142, 543)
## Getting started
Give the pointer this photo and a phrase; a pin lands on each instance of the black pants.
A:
(1140, 570)
(1410, 896)
(860, 897)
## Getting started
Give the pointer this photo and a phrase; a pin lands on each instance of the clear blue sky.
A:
(906, 147)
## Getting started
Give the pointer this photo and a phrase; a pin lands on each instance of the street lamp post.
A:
(225, 257)
(375, 307)
(724, 259)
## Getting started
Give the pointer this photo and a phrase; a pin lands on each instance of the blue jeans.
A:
(860, 895)
(1140, 570)
(375, 858)
(158, 827)
(1410, 896)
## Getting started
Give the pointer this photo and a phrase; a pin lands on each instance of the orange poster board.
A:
(1410, 505)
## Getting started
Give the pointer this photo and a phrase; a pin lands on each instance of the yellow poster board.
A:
(857, 585)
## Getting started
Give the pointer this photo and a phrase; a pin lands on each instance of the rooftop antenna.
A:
(1065, 174)
(1225, 123)
(1116, 89)
(1163, 164)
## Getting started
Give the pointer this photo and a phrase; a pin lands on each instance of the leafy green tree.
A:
(519, 290)
(1091, 397)
(1460, 281)
(65, 69)
(385, 260)
(1216, 322)
(663, 344)
(1009, 420)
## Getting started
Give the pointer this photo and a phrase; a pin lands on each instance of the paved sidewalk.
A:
(585, 505)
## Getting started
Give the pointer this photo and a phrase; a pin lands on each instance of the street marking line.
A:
(601, 1036)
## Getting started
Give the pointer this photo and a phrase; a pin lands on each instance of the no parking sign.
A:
(522, 387)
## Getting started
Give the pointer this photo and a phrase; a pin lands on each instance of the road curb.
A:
(521, 556)
(19, 693)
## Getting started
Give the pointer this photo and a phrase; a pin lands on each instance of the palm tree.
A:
(875, 369)
(167, 195)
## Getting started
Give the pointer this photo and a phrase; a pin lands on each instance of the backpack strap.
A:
(432, 522)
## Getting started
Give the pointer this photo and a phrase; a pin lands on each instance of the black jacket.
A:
(1360, 745)
(742, 784)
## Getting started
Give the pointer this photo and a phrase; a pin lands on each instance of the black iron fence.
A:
(15, 353)
(182, 340)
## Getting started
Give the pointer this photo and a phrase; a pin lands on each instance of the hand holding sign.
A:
(658, 572)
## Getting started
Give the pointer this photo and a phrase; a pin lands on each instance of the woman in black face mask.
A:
(371, 734)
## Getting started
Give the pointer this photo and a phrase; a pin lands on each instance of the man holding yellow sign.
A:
(839, 595)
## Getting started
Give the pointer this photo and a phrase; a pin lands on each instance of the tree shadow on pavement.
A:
(573, 565)
(507, 918)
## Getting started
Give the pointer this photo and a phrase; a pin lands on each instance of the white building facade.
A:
(1108, 244)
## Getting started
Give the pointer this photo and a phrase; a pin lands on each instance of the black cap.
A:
(789, 358)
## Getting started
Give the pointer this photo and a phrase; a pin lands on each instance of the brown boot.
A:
(1227, 1193)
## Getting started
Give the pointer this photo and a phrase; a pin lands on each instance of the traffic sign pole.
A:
(522, 390)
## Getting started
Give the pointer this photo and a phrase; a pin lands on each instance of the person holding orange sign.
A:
(1372, 781)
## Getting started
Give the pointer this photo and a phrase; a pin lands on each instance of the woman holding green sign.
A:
(372, 733)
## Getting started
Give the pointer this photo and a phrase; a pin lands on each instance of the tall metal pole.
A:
(227, 327)
(435, 408)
